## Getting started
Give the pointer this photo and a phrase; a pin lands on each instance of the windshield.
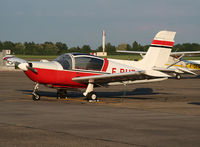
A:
(88, 63)
(65, 60)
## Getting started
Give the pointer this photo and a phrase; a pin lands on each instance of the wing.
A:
(122, 77)
(190, 53)
(132, 52)
(14, 60)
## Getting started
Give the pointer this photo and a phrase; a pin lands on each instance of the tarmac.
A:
(165, 113)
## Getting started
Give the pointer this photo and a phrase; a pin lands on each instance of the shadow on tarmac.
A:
(107, 94)
(194, 103)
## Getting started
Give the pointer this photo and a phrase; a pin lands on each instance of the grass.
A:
(123, 57)
(36, 57)
(191, 58)
(39, 57)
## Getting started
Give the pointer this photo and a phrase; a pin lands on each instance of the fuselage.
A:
(60, 72)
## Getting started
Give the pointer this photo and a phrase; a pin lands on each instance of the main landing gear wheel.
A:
(61, 93)
(178, 76)
(92, 97)
(89, 93)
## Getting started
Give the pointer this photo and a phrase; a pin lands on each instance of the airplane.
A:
(175, 64)
(77, 70)
(11, 60)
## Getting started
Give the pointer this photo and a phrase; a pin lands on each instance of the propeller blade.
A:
(32, 69)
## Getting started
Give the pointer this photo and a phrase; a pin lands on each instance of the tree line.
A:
(50, 48)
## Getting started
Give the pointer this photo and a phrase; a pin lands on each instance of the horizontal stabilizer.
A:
(186, 70)
(175, 70)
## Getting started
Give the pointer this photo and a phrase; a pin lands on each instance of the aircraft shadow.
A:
(198, 77)
(194, 103)
(188, 77)
(106, 94)
(128, 94)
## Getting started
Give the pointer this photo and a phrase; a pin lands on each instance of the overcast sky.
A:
(79, 22)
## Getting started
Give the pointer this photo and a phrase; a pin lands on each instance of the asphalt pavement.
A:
(166, 113)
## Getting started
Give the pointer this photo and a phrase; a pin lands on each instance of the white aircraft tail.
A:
(159, 51)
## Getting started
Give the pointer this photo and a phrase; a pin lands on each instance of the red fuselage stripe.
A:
(105, 66)
(160, 42)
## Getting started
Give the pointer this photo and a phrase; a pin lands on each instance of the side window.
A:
(88, 63)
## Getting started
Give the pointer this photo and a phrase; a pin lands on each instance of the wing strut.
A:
(176, 62)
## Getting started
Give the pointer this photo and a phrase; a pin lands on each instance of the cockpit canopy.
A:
(65, 60)
(80, 61)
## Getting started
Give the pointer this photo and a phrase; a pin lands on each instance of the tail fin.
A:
(159, 51)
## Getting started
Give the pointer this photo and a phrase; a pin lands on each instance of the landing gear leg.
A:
(35, 95)
(89, 93)
(61, 93)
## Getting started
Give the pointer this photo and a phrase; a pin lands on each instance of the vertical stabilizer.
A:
(159, 51)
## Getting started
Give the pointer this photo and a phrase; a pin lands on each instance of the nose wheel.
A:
(36, 97)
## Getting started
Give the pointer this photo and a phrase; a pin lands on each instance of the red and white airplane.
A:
(76, 70)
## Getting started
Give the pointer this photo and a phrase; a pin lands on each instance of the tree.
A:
(38, 49)
(50, 49)
(29, 48)
(75, 49)
(85, 49)
(62, 47)
(135, 46)
(124, 47)
(99, 49)
(8, 45)
(19, 49)
(128, 48)
(110, 49)
(33, 49)
(145, 48)
(1, 46)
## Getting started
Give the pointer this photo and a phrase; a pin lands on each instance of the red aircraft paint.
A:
(58, 78)
(160, 42)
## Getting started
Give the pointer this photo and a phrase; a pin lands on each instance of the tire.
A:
(178, 76)
(36, 97)
(61, 94)
(58, 96)
(92, 96)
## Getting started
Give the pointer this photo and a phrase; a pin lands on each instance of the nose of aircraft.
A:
(23, 66)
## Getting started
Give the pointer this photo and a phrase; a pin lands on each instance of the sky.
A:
(80, 22)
